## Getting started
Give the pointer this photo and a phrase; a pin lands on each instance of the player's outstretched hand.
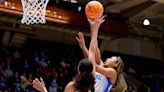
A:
(39, 85)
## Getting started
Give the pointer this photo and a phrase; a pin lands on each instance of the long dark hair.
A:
(84, 81)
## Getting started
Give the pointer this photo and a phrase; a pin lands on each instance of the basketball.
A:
(94, 8)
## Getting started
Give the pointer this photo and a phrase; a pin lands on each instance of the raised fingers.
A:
(100, 19)
(42, 81)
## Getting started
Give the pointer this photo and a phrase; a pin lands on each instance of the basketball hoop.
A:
(34, 11)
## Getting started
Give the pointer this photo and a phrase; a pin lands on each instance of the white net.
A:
(34, 11)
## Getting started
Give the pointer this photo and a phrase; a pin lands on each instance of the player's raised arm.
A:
(81, 41)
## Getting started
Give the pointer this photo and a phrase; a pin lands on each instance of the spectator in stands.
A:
(16, 53)
(53, 87)
(2, 71)
(157, 86)
(16, 82)
(130, 89)
(3, 84)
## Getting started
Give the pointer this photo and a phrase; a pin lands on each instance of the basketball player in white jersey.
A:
(109, 73)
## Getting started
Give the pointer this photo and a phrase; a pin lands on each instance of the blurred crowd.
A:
(57, 63)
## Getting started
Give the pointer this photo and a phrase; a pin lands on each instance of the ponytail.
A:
(84, 82)
(120, 85)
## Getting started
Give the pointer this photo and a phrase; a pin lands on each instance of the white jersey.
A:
(103, 84)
